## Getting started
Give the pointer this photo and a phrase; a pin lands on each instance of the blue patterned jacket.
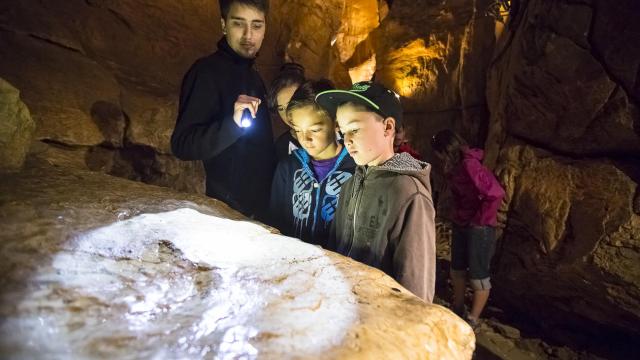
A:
(303, 206)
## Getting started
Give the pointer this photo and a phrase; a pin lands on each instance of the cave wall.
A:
(435, 57)
(563, 93)
(102, 78)
(557, 94)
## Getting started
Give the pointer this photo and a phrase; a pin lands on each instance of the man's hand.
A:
(245, 102)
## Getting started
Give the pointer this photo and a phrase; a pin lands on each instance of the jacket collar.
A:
(223, 46)
(304, 159)
(402, 163)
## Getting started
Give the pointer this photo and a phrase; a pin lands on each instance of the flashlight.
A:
(246, 120)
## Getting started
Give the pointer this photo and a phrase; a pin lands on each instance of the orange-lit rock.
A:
(436, 58)
(413, 69)
(363, 71)
(322, 34)
(358, 19)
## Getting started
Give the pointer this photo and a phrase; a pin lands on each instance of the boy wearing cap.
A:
(385, 215)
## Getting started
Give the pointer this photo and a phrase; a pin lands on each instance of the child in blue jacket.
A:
(306, 185)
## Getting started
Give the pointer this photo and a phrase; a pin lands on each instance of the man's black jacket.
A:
(239, 163)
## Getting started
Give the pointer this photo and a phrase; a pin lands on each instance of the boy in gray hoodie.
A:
(385, 215)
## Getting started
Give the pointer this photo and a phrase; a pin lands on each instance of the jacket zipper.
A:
(355, 213)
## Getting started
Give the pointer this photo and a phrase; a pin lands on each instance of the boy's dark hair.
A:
(290, 74)
(225, 5)
(450, 145)
(306, 94)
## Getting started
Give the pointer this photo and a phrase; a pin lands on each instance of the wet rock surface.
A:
(96, 266)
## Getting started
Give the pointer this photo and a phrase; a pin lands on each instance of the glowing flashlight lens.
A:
(245, 122)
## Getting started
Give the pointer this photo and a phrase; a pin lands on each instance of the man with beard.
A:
(221, 120)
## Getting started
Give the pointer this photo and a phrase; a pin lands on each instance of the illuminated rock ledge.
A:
(96, 266)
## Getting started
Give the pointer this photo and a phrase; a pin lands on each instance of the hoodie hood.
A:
(401, 163)
(404, 163)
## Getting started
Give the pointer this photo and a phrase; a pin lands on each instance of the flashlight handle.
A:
(246, 113)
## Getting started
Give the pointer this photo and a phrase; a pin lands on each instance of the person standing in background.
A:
(476, 195)
(290, 77)
(401, 144)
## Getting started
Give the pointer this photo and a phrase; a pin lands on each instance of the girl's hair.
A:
(450, 145)
(290, 74)
(306, 94)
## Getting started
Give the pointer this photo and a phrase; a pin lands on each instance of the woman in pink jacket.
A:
(476, 198)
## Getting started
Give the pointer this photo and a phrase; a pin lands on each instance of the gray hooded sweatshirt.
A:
(385, 219)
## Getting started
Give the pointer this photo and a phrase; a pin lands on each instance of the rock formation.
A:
(554, 92)
(96, 266)
(16, 128)
(101, 79)
(563, 96)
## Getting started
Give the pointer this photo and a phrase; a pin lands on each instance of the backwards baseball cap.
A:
(373, 96)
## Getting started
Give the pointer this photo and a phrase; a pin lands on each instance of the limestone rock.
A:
(570, 247)
(99, 266)
(151, 119)
(323, 34)
(359, 18)
(66, 95)
(571, 230)
(124, 37)
(107, 74)
(550, 86)
(508, 331)
(60, 156)
(16, 128)
(143, 163)
(612, 36)
(435, 59)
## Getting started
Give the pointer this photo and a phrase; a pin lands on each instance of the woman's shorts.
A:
(472, 248)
